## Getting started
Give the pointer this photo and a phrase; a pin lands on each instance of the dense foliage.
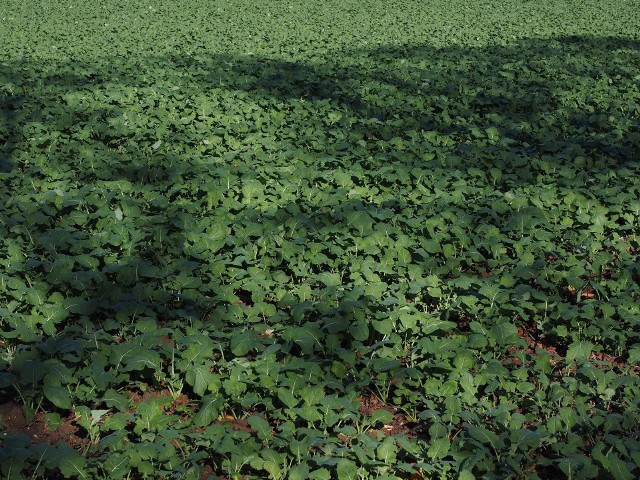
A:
(288, 239)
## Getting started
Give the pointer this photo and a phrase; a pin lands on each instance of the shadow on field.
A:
(146, 195)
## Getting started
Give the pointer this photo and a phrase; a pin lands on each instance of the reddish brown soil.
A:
(138, 396)
(530, 336)
(533, 341)
(613, 361)
(238, 424)
(13, 422)
(166, 340)
(370, 404)
(399, 423)
(208, 472)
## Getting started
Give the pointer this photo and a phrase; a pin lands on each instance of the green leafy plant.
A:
(341, 240)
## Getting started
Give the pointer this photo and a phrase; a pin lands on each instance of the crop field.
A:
(314, 240)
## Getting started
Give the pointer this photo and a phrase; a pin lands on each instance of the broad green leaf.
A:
(243, 343)
(618, 468)
(432, 324)
(466, 475)
(526, 438)
(72, 464)
(273, 469)
(579, 351)
(359, 331)
(287, 397)
(634, 355)
(210, 407)
(492, 133)
(464, 360)
(504, 333)
(113, 399)
(484, 436)
(261, 426)
(199, 377)
(330, 279)
(324, 474)
(384, 327)
(381, 416)
(439, 448)
(151, 416)
(59, 396)
(308, 337)
(299, 472)
(347, 469)
(116, 465)
(387, 450)
(141, 360)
